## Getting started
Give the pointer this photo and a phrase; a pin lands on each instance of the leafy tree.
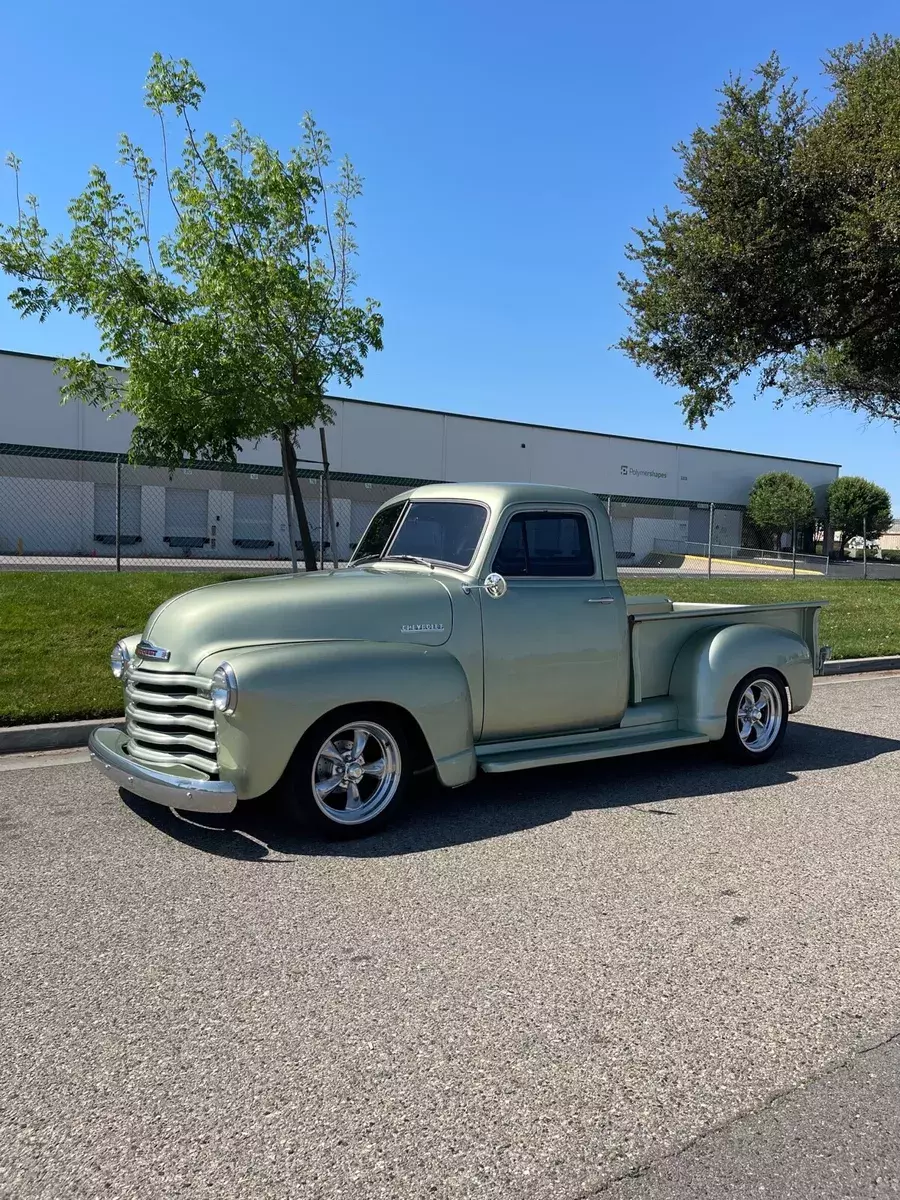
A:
(234, 318)
(784, 258)
(780, 502)
(856, 506)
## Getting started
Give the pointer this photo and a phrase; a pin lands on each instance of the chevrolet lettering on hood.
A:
(426, 627)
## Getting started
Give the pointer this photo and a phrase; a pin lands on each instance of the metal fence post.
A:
(712, 509)
(794, 551)
(322, 521)
(865, 557)
(118, 512)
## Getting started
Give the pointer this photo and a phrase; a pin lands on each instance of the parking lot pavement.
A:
(837, 1137)
(527, 990)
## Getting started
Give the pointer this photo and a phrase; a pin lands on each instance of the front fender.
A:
(283, 689)
(710, 665)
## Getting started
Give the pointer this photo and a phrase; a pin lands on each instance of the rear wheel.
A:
(757, 717)
(349, 775)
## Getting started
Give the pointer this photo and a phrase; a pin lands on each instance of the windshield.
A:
(440, 531)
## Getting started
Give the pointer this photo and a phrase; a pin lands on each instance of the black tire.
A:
(336, 813)
(767, 687)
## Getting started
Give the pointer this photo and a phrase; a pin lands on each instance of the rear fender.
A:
(283, 689)
(710, 665)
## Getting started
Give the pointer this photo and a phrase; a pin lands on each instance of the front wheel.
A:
(757, 717)
(349, 775)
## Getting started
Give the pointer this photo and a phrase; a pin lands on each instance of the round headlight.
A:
(118, 660)
(223, 690)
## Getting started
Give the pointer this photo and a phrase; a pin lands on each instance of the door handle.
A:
(602, 600)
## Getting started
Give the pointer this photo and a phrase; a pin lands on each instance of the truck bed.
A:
(659, 627)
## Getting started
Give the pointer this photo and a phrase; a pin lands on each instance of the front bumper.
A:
(107, 747)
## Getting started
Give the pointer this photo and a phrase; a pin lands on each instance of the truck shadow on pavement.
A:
(494, 806)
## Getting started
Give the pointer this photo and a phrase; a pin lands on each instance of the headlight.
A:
(223, 690)
(119, 659)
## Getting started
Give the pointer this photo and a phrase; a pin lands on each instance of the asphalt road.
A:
(836, 1137)
(533, 988)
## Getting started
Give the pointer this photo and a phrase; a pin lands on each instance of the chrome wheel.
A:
(356, 773)
(759, 715)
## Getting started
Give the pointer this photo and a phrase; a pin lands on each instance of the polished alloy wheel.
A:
(759, 715)
(356, 773)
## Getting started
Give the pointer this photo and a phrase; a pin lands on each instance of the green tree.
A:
(856, 506)
(231, 320)
(784, 258)
(781, 503)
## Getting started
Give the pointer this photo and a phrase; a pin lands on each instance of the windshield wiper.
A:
(408, 558)
(364, 558)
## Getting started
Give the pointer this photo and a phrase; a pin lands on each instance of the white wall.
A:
(648, 530)
(410, 443)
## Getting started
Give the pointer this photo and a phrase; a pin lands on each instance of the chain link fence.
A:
(675, 537)
(69, 509)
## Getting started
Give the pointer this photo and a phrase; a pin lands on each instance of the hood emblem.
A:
(427, 627)
(154, 653)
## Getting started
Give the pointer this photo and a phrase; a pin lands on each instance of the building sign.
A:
(625, 470)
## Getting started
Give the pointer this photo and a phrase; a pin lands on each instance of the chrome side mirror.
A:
(495, 585)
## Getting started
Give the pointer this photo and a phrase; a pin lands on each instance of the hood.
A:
(371, 603)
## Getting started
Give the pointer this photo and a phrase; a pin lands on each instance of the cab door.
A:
(555, 645)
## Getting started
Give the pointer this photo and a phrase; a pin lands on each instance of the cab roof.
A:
(499, 495)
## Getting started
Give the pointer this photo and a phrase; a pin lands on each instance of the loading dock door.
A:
(187, 517)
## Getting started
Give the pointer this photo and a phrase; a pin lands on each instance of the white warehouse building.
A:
(57, 477)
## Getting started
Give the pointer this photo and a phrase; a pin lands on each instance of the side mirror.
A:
(495, 585)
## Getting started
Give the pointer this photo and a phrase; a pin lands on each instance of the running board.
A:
(569, 752)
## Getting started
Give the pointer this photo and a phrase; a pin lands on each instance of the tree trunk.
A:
(289, 457)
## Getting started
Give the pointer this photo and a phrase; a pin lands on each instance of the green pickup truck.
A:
(477, 627)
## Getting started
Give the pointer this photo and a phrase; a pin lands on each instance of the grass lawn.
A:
(58, 627)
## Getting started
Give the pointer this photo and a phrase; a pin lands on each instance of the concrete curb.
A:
(856, 666)
(62, 735)
(66, 735)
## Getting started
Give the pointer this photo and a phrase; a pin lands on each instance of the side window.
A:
(546, 544)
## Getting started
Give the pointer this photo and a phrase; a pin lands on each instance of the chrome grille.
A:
(169, 720)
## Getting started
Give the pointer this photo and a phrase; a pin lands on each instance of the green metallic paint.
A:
(131, 643)
(369, 603)
(555, 658)
(610, 743)
(285, 689)
(657, 638)
(713, 661)
(548, 666)
(579, 656)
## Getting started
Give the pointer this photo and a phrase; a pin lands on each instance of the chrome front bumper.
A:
(107, 747)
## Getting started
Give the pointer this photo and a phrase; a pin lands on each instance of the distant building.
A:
(891, 539)
(661, 489)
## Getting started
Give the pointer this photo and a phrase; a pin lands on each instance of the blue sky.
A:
(507, 150)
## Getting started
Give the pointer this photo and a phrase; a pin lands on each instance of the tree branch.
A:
(165, 150)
